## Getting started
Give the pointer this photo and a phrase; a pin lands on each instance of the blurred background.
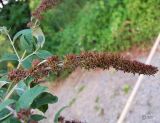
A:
(77, 25)
(128, 26)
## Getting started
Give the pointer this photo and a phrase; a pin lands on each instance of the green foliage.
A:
(8, 57)
(104, 25)
(25, 94)
(11, 15)
(6, 103)
(37, 117)
(43, 99)
(43, 54)
(27, 98)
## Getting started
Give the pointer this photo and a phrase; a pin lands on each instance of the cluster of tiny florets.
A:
(17, 75)
(53, 63)
(38, 71)
(23, 113)
(87, 60)
(92, 60)
(44, 6)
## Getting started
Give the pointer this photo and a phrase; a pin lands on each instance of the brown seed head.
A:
(17, 75)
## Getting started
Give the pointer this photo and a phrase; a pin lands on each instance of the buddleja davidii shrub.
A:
(20, 89)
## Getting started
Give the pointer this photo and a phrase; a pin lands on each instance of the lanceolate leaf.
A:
(37, 32)
(27, 32)
(25, 45)
(37, 117)
(3, 81)
(27, 98)
(26, 39)
(10, 119)
(9, 57)
(6, 103)
(43, 108)
(21, 88)
(44, 98)
(43, 54)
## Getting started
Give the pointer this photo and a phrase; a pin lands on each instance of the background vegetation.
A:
(78, 25)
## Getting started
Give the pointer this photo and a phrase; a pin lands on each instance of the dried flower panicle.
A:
(17, 75)
(44, 6)
(92, 60)
(87, 60)
(38, 71)
(53, 63)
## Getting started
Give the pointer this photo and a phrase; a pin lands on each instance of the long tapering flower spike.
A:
(86, 60)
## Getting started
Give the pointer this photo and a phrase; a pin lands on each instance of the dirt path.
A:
(99, 96)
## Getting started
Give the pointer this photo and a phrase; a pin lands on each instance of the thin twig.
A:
(13, 46)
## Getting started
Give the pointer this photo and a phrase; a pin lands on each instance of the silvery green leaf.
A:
(28, 97)
(3, 29)
(6, 103)
(3, 83)
(38, 34)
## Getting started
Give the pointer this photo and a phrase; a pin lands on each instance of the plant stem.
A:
(30, 55)
(10, 85)
(20, 62)
(13, 46)
(10, 93)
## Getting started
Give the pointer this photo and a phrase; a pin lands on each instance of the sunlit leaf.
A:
(38, 34)
(9, 57)
(27, 98)
(43, 54)
(6, 103)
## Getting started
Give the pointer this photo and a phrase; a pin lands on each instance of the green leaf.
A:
(6, 103)
(3, 113)
(3, 81)
(28, 62)
(21, 88)
(43, 54)
(57, 115)
(10, 119)
(9, 57)
(26, 39)
(25, 45)
(27, 98)
(37, 117)
(37, 32)
(44, 98)
(43, 108)
(27, 32)
(2, 92)
(28, 81)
